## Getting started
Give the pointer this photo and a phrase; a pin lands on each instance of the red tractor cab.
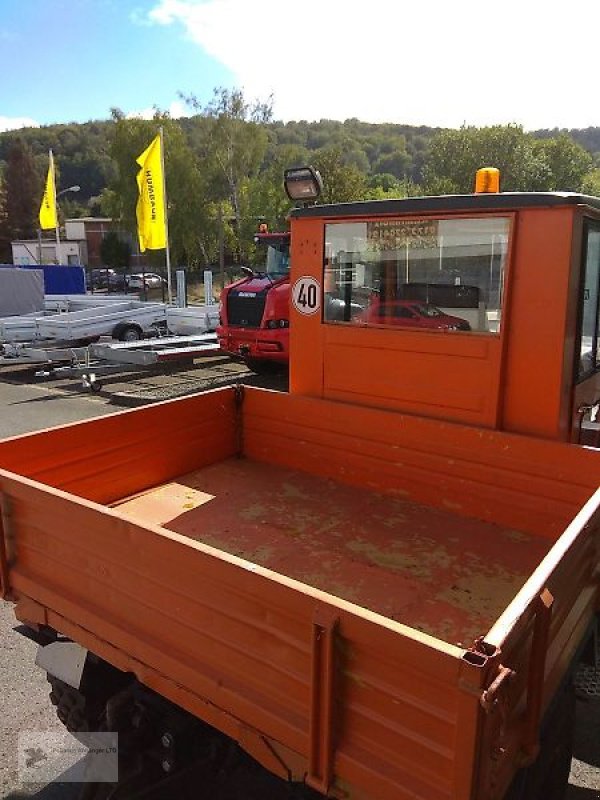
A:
(254, 311)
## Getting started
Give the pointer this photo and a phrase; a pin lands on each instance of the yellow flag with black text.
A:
(150, 210)
(48, 217)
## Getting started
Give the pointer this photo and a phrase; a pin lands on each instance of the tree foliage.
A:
(233, 142)
(22, 191)
(342, 183)
(525, 163)
(184, 190)
(224, 167)
(114, 251)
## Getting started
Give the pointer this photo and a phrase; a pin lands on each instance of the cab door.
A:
(586, 395)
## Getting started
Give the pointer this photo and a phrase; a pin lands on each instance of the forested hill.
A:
(82, 151)
(589, 138)
(224, 169)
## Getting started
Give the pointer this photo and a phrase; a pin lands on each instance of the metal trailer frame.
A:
(110, 357)
(191, 320)
(148, 352)
(15, 353)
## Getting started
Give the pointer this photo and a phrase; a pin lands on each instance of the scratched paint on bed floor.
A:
(431, 569)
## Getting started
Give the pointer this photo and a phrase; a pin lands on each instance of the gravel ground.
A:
(28, 405)
(23, 687)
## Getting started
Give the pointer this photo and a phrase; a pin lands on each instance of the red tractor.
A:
(254, 311)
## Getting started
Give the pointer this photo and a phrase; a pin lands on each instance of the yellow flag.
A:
(48, 217)
(150, 208)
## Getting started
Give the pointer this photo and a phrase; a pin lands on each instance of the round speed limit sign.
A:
(306, 295)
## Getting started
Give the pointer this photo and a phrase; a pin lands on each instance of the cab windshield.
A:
(277, 264)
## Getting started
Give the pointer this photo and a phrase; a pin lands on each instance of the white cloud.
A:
(14, 123)
(176, 110)
(179, 109)
(433, 63)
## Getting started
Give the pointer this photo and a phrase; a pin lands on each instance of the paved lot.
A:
(23, 688)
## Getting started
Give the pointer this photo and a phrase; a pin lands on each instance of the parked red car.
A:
(411, 314)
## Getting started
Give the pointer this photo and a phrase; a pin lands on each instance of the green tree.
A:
(114, 252)
(397, 163)
(591, 182)
(232, 144)
(525, 163)
(5, 248)
(341, 183)
(23, 192)
(184, 187)
(568, 163)
(387, 187)
(266, 196)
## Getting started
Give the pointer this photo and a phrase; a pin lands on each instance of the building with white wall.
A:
(47, 251)
(80, 244)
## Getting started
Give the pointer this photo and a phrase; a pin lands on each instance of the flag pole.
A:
(51, 157)
(164, 187)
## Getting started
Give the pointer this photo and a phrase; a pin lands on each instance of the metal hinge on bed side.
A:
(496, 693)
(322, 705)
(238, 400)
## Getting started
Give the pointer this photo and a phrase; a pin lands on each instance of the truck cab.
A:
(254, 311)
(507, 286)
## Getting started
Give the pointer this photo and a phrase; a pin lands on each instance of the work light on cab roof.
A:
(303, 184)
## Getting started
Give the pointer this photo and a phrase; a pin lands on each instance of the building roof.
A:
(89, 219)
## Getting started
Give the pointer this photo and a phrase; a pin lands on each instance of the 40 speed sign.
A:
(306, 295)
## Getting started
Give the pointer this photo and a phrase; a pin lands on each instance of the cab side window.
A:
(589, 326)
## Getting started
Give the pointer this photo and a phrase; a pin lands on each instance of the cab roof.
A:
(450, 202)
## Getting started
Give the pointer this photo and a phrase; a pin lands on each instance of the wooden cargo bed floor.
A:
(447, 575)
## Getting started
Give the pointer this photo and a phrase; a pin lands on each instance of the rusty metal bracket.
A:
(494, 695)
(322, 706)
(535, 682)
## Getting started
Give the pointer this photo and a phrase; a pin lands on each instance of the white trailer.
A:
(78, 302)
(192, 320)
(127, 321)
(20, 328)
(24, 327)
(46, 337)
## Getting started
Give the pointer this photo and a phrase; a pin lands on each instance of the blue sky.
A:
(439, 62)
(72, 60)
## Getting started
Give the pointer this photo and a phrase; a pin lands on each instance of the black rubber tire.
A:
(75, 712)
(558, 752)
(128, 333)
(548, 777)
(82, 710)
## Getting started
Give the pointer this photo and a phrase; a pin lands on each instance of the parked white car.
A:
(148, 280)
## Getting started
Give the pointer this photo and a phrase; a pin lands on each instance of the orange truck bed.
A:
(380, 603)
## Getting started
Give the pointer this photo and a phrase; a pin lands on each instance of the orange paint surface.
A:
(520, 380)
(210, 577)
(305, 571)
